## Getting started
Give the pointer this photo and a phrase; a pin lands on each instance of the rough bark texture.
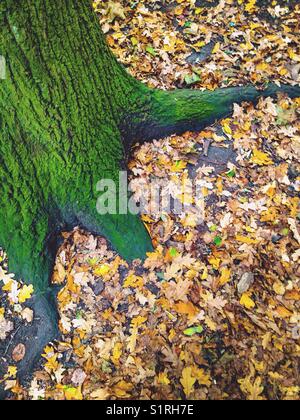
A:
(68, 115)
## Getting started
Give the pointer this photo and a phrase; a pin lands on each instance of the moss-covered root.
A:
(126, 233)
(181, 110)
(31, 251)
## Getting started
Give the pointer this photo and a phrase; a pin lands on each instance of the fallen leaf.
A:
(187, 381)
(247, 301)
(18, 353)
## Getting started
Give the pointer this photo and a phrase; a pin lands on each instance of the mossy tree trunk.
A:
(61, 107)
(68, 115)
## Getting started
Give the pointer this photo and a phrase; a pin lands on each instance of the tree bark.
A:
(61, 105)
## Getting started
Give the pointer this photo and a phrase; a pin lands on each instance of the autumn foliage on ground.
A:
(213, 313)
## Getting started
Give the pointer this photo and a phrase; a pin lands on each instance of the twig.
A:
(13, 336)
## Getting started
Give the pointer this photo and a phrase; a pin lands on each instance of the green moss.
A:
(60, 110)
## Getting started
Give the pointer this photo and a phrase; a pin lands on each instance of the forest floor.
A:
(213, 313)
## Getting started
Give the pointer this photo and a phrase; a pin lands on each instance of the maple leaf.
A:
(187, 381)
(52, 364)
(138, 321)
(27, 314)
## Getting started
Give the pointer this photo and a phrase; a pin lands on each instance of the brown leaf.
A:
(19, 352)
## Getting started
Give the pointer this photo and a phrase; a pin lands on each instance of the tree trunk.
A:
(69, 114)
(61, 106)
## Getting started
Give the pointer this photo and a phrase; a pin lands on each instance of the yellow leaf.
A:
(211, 324)
(186, 308)
(163, 379)
(178, 166)
(250, 6)
(117, 353)
(204, 275)
(269, 215)
(279, 288)
(219, 185)
(247, 301)
(132, 340)
(215, 262)
(275, 375)
(102, 270)
(246, 240)
(187, 381)
(122, 388)
(225, 276)
(202, 377)
(227, 129)
(266, 339)
(216, 48)
(134, 41)
(2, 311)
(73, 394)
(52, 364)
(293, 56)
(8, 286)
(48, 352)
(191, 220)
(261, 158)
(172, 334)
(25, 293)
(138, 321)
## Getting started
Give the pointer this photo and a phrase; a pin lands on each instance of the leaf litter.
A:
(213, 313)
